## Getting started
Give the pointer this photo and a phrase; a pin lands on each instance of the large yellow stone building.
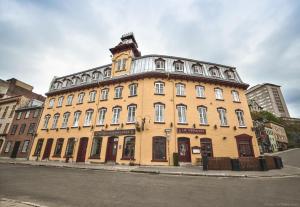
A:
(143, 109)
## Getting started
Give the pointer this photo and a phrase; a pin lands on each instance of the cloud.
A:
(42, 39)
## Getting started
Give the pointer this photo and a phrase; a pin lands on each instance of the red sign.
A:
(190, 131)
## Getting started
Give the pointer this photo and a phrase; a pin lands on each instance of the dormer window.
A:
(75, 80)
(121, 64)
(96, 75)
(230, 74)
(197, 69)
(107, 73)
(178, 66)
(66, 83)
(84, 78)
(57, 85)
(160, 64)
(214, 72)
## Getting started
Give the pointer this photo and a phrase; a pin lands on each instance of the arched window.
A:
(240, 117)
(55, 121)
(65, 120)
(88, 117)
(159, 87)
(223, 116)
(202, 114)
(159, 149)
(58, 147)
(70, 147)
(46, 121)
(116, 114)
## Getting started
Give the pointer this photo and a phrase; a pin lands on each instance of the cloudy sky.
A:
(42, 39)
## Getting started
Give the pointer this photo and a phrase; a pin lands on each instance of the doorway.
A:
(48, 148)
(184, 151)
(15, 149)
(111, 150)
(82, 149)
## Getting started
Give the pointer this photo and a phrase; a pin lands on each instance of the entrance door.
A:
(184, 152)
(82, 150)
(111, 150)
(15, 150)
(48, 148)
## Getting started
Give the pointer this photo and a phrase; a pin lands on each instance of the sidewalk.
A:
(287, 171)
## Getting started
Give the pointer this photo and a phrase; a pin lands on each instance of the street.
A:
(53, 186)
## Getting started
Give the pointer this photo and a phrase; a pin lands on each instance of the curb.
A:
(22, 202)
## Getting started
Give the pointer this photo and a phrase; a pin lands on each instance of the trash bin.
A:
(235, 163)
(263, 164)
(205, 163)
(278, 162)
(175, 159)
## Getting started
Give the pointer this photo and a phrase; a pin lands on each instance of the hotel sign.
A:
(114, 132)
(190, 131)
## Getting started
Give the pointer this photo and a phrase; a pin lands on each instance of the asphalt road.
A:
(74, 187)
(291, 157)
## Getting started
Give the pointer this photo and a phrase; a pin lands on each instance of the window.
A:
(202, 115)
(197, 69)
(88, 117)
(116, 115)
(5, 111)
(128, 148)
(27, 114)
(181, 109)
(75, 80)
(180, 89)
(70, 100)
(36, 113)
(65, 120)
(70, 147)
(131, 113)
(101, 116)
(8, 145)
(118, 92)
(22, 129)
(159, 112)
(6, 128)
(96, 148)
(25, 146)
(95, 75)
(222, 116)
(214, 72)
(60, 101)
(160, 64)
(55, 120)
(38, 147)
(230, 74)
(219, 93)
(104, 94)
(121, 64)
(80, 98)
(107, 73)
(31, 128)
(14, 129)
(84, 78)
(235, 96)
(58, 147)
(159, 149)
(206, 147)
(76, 118)
(133, 89)
(12, 111)
(200, 92)
(19, 115)
(51, 102)
(240, 117)
(159, 88)
(46, 121)
(92, 96)
(178, 66)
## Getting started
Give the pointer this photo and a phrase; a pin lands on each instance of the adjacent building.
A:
(13, 94)
(143, 109)
(269, 97)
(278, 132)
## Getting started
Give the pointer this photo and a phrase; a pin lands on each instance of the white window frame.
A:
(230, 75)
(25, 146)
(60, 101)
(159, 88)
(19, 115)
(116, 115)
(133, 89)
(180, 89)
(65, 120)
(27, 114)
(240, 118)
(101, 116)
(51, 103)
(131, 114)
(70, 99)
(46, 121)
(203, 115)
(92, 96)
(223, 117)
(8, 146)
(198, 69)
(76, 118)
(80, 98)
(55, 121)
(181, 111)
(88, 117)
(159, 112)
(200, 91)
(179, 66)
(118, 92)
(107, 73)
(104, 94)
(235, 96)
(219, 94)
(159, 64)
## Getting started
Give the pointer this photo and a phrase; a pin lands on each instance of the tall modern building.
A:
(269, 97)
(143, 109)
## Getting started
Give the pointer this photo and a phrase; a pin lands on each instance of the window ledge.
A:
(91, 101)
(78, 103)
(86, 126)
(114, 124)
(50, 108)
(74, 126)
(225, 126)
(58, 106)
(95, 157)
(68, 104)
(198, 97)
(159, 94)
(157, 122)
(99, 125)
(203, 124)
(219, 99)
(243, 127)
(57, 156)
(182, 124)
(117, 98)
(129, 159)
(159, 160)
(180, 95)
(132, 96)
(130, 123)
(236, 102)
(103, 99)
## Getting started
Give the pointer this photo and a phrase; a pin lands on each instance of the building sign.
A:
(196, 150)
(190, 131)
(114, 132)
